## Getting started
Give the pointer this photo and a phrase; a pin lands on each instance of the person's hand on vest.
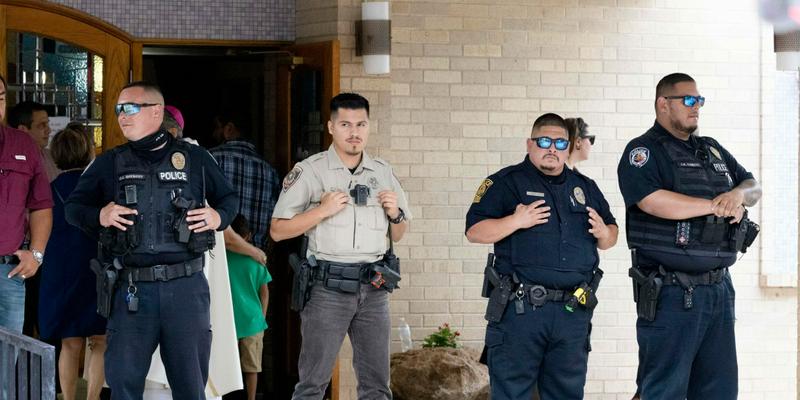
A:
(599, 228)
(27, 266)
(330, 203)
(726, 204)
(388, 201)
(204, 219)
(527, 216)
(113, 215)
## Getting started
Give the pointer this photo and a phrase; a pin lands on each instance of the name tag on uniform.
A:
(20, 157)
(690, 165)
(535, 194)
(171, 176)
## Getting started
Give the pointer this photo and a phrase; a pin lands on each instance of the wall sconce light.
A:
(374, 37)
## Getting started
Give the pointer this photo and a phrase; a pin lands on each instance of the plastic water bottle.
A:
(405, 335)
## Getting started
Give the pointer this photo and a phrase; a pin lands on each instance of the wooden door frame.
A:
(71, 26)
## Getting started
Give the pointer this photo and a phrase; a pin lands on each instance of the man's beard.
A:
(687, 129)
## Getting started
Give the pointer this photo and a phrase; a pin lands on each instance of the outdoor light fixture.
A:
(374, 37)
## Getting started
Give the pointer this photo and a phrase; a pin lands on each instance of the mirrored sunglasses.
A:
(689, 101)
(131, 108)
(544, 142)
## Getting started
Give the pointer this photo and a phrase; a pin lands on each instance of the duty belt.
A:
(685, 279)
(164, 272)
(538, 295)
(10, 259)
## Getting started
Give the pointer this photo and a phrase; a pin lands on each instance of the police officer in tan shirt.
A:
(344, 201)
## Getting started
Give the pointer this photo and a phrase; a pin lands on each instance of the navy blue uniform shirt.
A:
(645, 168)
(560, 253)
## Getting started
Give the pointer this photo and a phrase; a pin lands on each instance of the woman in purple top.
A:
(67, 302)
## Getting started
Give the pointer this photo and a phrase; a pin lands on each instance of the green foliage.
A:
(444, 337)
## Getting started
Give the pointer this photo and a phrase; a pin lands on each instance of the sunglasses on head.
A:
(689, 101)
(544, 142)
(131, 108)
(590, 137)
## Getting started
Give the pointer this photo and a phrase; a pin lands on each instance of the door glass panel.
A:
(66, 79)
(308, 129)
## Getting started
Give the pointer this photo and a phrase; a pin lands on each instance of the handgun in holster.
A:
(744, 234)
(497, 288)
(105, 285)
(303, 278)
(646, 289)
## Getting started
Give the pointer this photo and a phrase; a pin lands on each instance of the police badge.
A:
(579, 196)
(178, 160)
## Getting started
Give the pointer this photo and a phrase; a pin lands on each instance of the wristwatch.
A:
(38, 256)
(400, 217)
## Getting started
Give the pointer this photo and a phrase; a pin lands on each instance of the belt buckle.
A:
(160, 273)
(538, 295)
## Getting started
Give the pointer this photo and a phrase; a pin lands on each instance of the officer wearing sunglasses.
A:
(146, 201)
(684, 196)
(546, 223)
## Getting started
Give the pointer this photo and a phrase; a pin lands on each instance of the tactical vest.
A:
(699, 172)
(150, 189)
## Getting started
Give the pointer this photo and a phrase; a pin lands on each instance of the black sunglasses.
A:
(590, 137)
(131, 108)
(545, 142)
(689, 101)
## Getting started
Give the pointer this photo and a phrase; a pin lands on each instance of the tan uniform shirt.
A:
(356, 234)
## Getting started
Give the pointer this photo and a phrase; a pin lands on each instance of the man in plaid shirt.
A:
(256, 181)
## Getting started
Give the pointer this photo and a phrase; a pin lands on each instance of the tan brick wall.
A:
(468, 79)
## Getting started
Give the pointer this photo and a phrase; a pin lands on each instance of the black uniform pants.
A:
(690, 353)
(548, 346)
(173, 314)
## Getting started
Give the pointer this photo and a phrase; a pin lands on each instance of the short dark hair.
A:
(349, 101)
(71, 149)
(22, 113)
(238, 117)
(668, 82)
(576, 129)
(240, 226)
(549, 119)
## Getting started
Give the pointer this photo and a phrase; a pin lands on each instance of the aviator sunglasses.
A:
(131, 108)
(689, 101)
(545, 142)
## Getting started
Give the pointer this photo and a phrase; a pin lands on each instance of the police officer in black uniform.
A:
(146, 201)
(546, 223)
(684, 197)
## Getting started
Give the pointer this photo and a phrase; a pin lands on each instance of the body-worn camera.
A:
(360, 194)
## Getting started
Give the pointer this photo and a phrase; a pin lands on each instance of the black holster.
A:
(302, 280)
(498, 289)
(385, 273)
(105, 285)
(646, 289)
(744, 234)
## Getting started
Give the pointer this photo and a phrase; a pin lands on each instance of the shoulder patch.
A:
(292, 177)
(639, 156)
(482, 190)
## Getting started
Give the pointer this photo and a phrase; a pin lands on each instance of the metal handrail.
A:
(35, 365)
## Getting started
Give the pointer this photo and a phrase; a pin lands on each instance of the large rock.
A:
(438, 374)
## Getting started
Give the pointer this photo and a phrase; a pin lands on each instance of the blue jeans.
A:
(12, 299)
